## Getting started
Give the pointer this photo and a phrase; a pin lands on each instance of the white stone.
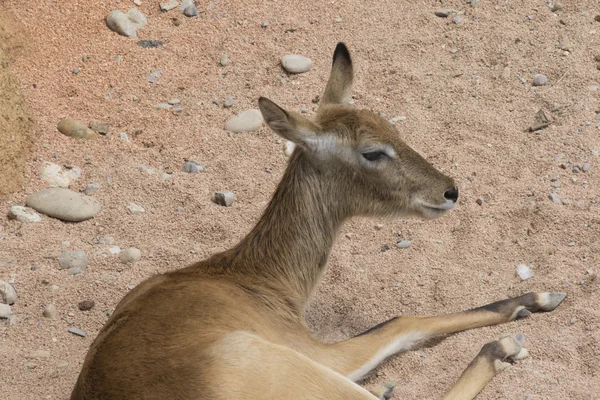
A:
(118, 22)
(135, 209)
(5, 311)
(540, 80)
(188, 8)
(245, 121)
(55, 176)
(114, 250)
(50, 311)
(130, 255)
(64, 204)
(138, 19)
(23, 214)
(524, 271)
(168, 5)
(8, 294)
(73, 259)
(295, 64)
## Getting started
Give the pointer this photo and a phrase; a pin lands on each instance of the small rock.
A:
(164, 106)
(73, 259)
(245, 121)
(130, 255)
(338, 20)
(573, 321)
(99, 127)
(378, 227)
(124, 137)
(37, 354)
(193, 167)
(76, 129)
(444, 13)
(23, 214)
(397, 118)
(505, 73)
(585, 167)
(524, 271)
(228, 102)
(479, 201)
(403, 244)
(188, 8)
(457, 20)
(149, 44)
(135, 209)
(50, 311)
(224, 198)
(108, 240)
(385, 248)
(55, 176)
(540, 80)
(555, 198)
(174, 102)
(86, 305)
(75, 71)
(224, 60)
(264, 24)
(91, 188)
(296, 64)
(77, 331)
(154, 75)
(138, 19)
(137, 2)
(474, 3)
(114, 250)
(8, 294)
(5, 311)
(64, 204)
(126, 24)
(168, 5)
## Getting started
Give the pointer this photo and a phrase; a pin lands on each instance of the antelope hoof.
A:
(384, 391)
(505, 351)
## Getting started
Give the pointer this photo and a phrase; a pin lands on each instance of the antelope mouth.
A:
(436, 211)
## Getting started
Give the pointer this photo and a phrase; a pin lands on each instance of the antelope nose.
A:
(451, 194)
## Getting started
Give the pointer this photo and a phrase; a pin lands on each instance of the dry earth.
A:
(461, 113)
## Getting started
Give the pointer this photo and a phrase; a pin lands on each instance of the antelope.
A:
(232, 326)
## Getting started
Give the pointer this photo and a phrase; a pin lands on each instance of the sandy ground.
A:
(461, 114)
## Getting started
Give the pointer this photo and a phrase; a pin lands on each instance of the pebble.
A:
(443, 13)
(154, 75)
(37, 354)
(50, 311)
(114, 250)
(295, 64)
(75, 71)
(8, 294)
(126, 24)
(99, 127)
(378, 227)
(224, 60)
(524, 272)
(23, 214)
(168, 5)
(108, 240)
(76, 129)
(135, 209)
(86, 305)
(555, 198)
(585, 167)
(224, 198)
(228, 102)
(573, 320)
(77, 331)
(397, 118)
(505, 73)
(540, 80)
(338, 20)
(174, 102)
(188, 8)
(479, 201)
(164, 106)
(124, 137)
(457, 20)
(474, 3)
(149, 44)
(91, 188)
(130, 255)
(55, 175)
(193, 167)
(403, 244)
(5, 311)
(64, 204)
(264, 24)
(73, 259)
(245, 121)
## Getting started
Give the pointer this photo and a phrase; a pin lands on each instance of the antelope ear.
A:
(340, 80)
(288, 125)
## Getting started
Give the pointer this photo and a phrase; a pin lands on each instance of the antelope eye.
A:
(374, 155)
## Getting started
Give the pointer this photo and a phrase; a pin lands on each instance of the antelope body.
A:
(232, 326)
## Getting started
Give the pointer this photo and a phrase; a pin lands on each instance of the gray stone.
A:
(295, 64)
(76, 71)
(23, 214)
(108, 240)
(193, 167)
(174, 102)
(135, 209)
(86, 305)
(403, 244)
(75, 129)
(126, 24)
(77, 331)
(164, 106)
(224, 60)
(91, 188)
(188, 8)
(479, 201)
(50, 311)
(37, 354)
(168, 5)
(457, 20)
(149, 44)
(64, 204)
(474, 3)
(245, 121)
(445, 13)
(8, 294)
(130, 255)
(585, 167)
(539, 80)
(264, 24)
(228, 102)
(224, 198)
(555, 198)
(124, 137)
(136, 17)
(56, 176)
(99, 127)
(73, 259)
(154, 75)
(5, 311)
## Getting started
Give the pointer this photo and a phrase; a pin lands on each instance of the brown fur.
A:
(232, 326)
